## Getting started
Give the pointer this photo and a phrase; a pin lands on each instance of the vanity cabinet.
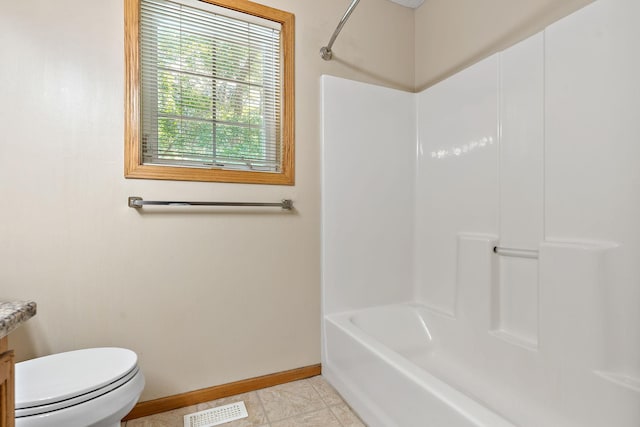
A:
(12, 315)
(7, 365)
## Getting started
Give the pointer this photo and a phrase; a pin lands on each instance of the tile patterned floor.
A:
(305, 403)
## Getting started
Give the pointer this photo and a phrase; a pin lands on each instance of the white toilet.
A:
(91, 387)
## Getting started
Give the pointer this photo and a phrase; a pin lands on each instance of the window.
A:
(209, 91)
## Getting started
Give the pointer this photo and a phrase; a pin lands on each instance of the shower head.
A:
(409, 3)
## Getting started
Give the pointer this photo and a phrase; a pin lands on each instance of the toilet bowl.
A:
(93, 387)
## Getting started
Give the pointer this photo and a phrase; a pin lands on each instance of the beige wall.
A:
(453, 34)
(205, 296)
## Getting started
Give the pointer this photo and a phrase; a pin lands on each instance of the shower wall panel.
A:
(521, 122)
(367, 190)
(457, 176)
(593, 167)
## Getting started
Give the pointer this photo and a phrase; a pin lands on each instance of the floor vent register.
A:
(216, 416)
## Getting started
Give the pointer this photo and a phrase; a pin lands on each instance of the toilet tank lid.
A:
(62, 376)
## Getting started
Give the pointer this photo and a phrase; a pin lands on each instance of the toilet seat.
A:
(67, 379)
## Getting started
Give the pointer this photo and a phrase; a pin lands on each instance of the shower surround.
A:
(533, 151)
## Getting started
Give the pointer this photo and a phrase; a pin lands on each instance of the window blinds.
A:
(211, 88)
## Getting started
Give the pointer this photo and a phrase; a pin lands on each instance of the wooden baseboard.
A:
(156, 406)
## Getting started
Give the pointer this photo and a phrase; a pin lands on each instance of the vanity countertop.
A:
(14, 313)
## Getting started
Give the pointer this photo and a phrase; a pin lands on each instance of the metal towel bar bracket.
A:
(138, 203)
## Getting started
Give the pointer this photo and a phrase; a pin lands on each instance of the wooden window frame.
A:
(133, 167)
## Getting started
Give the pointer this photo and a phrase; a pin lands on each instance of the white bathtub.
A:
(389, 365)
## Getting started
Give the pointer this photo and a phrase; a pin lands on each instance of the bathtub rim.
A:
(459, 402)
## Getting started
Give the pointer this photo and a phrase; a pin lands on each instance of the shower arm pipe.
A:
(326, 52)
